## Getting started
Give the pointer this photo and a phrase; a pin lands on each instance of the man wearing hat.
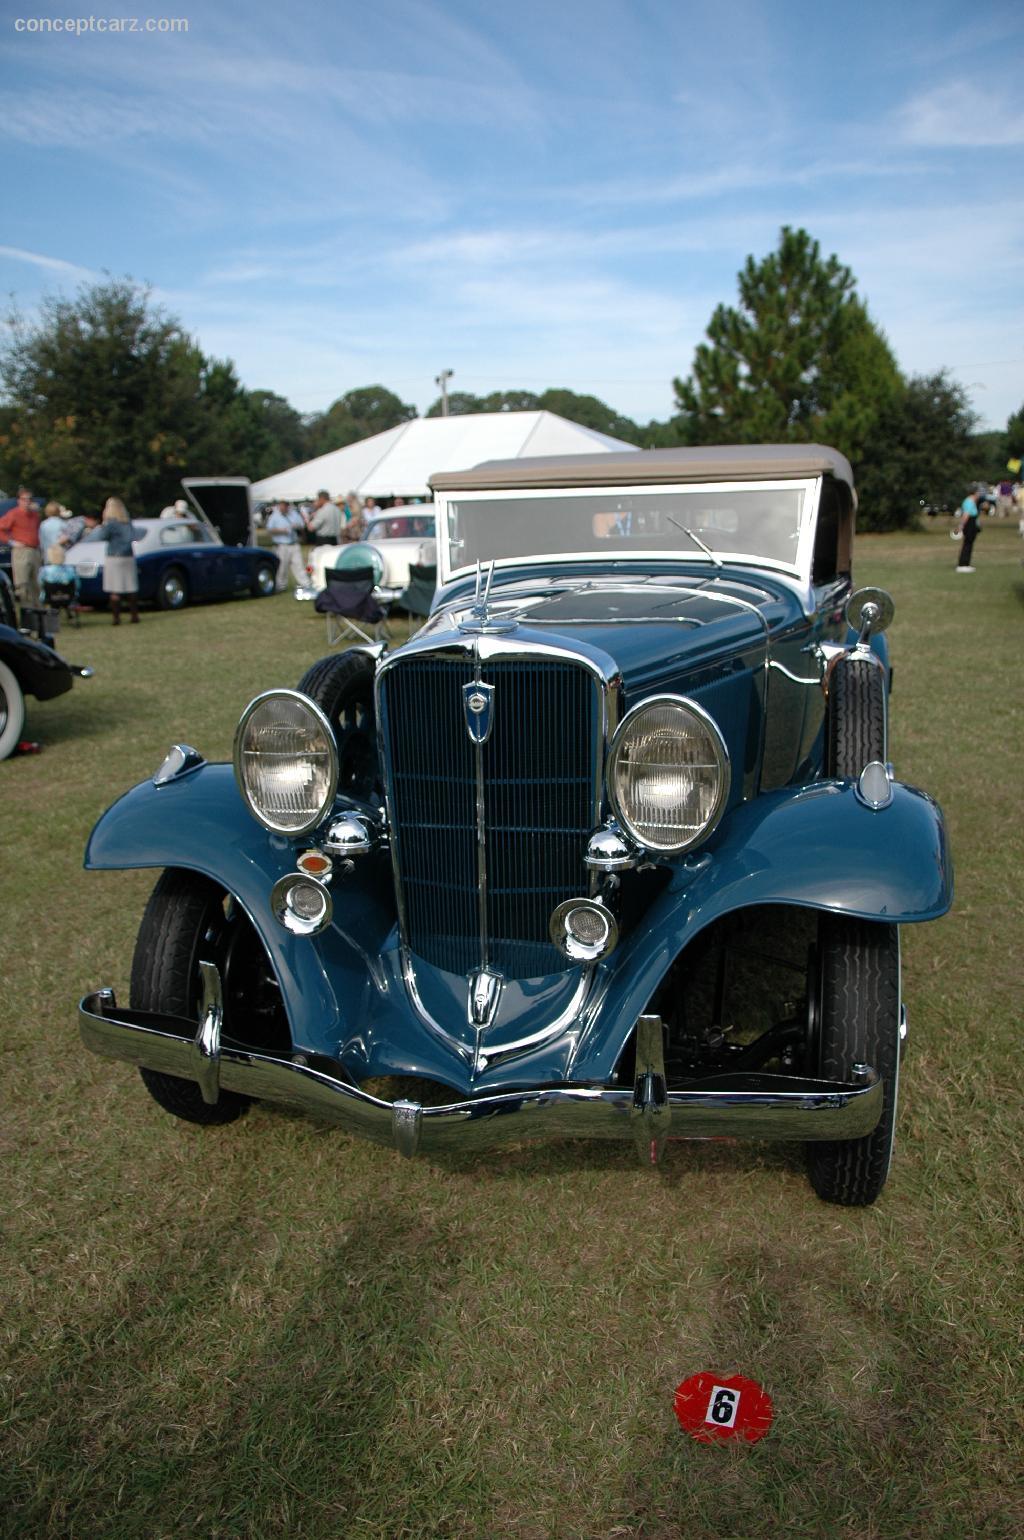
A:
(177, 510)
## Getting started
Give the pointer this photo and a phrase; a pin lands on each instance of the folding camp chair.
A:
(347, 599)
(418, 594)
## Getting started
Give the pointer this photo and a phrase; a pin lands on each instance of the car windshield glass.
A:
(762, 522)
(401, 526)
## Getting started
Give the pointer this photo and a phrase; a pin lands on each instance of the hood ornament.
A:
(481, 619)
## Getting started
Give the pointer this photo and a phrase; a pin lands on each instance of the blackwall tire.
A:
(172, 589)
(182, 911)
(12, 711)
(342, 686)
(857, 982)
(856, 723)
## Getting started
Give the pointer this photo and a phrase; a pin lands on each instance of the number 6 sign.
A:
(712, 1408)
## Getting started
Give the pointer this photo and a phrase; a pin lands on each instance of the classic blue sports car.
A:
(181, 560)
(612, 848)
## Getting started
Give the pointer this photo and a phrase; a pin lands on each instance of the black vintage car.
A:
(28, 666)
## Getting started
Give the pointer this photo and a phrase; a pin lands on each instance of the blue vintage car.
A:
(611, 849)
(181, 560)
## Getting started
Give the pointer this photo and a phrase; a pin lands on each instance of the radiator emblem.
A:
(478, 700)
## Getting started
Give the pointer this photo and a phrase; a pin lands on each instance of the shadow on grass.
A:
(292, 1407)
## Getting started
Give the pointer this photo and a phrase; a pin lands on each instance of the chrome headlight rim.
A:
(675, 847)
(328, 799)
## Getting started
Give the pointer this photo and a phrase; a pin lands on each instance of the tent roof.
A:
(400, 461)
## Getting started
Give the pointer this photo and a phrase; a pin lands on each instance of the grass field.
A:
(272, 1330)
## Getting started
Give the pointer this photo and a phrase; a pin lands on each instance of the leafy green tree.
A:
(1012, 447)
(590, 412)
(922, 449)
(799, 358)
(103, 392)
(357, 415)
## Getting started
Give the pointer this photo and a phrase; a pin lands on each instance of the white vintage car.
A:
(397, 538)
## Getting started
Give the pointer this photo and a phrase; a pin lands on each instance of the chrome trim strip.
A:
(740, 1105)
(481, 828)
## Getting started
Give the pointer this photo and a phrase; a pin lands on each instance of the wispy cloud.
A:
(963, 114)
(48, 264)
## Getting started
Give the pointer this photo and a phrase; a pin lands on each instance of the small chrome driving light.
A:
(609, 851)
(668, 773)
(349, 835)
(583, 930)
(301, 904)
(286, 762)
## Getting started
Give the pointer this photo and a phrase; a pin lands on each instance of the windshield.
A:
(762, 521)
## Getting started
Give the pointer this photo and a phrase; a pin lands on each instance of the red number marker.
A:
(711, 1408)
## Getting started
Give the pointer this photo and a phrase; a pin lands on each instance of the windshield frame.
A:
(809, 486)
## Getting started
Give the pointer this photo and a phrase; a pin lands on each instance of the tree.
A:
(922, 449)
(586, 410)
(104, 397)
(106, 394)
(1012, 447)
(358, 414)
(799, 359)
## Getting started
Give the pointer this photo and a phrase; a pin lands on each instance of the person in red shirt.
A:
(19, 528)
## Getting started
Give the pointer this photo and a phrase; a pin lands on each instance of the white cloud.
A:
(48, 264)
(966, 114)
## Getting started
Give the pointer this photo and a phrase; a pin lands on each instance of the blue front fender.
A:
(814, 847)
(199, 823)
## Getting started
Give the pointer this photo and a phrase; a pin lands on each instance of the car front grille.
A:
(529, 788)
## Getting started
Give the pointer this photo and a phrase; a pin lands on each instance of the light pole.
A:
(442, 380)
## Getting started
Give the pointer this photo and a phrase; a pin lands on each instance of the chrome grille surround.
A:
(464, 800)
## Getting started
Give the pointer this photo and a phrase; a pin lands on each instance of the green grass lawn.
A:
(271, 1329)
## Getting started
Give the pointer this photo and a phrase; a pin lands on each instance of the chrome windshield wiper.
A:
(696, 540)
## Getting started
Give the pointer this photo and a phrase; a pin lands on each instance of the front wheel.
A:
(189, 920)
(12, 711)
(855, 985)
(172, 590)
(264, 581)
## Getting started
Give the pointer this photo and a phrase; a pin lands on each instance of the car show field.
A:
(273, 1328)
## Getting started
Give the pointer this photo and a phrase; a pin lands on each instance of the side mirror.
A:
(869, 611)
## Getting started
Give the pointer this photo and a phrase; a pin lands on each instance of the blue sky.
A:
(550, 193)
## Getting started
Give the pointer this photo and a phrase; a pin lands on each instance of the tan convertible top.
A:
(711, 462)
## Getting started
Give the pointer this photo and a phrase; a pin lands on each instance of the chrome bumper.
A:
(752, 1106)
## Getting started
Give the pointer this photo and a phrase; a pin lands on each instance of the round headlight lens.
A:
(668, 773)
(286, 762)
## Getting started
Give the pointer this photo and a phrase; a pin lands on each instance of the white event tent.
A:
(399, 462)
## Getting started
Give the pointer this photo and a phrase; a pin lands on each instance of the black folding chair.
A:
(418, 595)
(348, 599)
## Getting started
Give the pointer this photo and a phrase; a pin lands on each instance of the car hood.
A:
(656, 629)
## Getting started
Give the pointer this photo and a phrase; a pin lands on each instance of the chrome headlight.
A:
(668, 773)
(286, 762)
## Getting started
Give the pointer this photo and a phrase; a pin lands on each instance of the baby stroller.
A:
(58, 585)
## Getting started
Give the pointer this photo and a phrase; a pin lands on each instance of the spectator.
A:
(120, 569)
(285, 524)
(50, 531)
(175, 510)
(324, 521)
(370, 509)
(19, 528)
(970, 523)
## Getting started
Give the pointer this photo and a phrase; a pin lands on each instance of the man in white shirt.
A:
(284, 525)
